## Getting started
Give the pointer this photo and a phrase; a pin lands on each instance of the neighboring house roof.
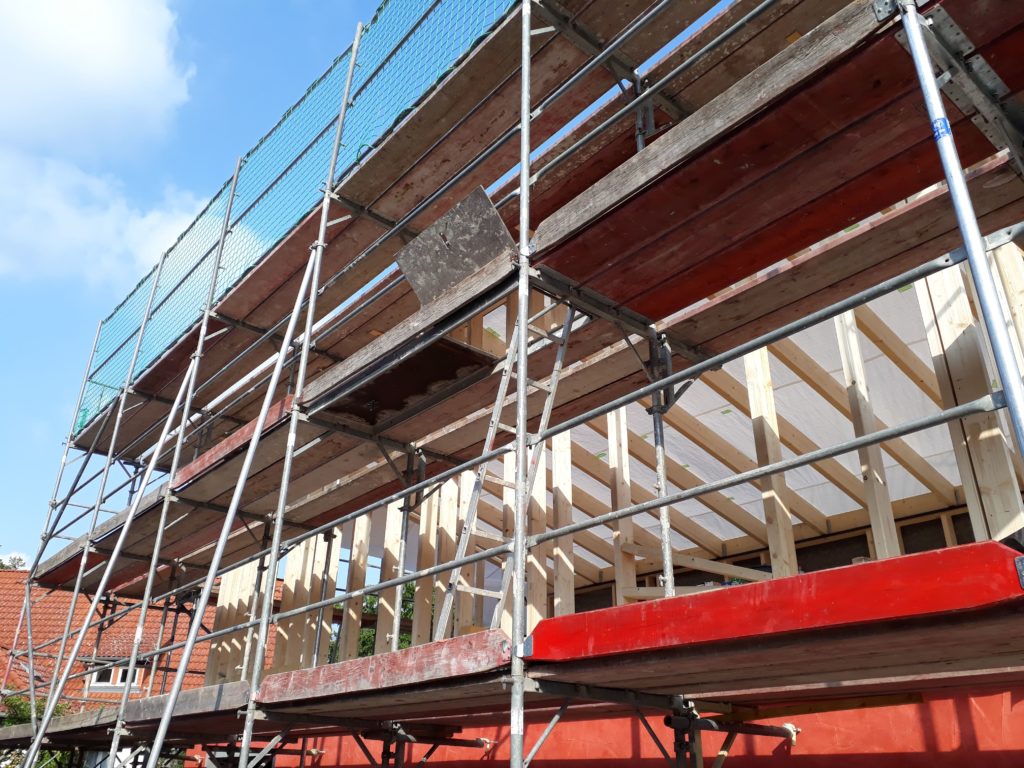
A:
(113, 640)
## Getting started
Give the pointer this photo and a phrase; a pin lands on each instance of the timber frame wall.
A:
(390, 423)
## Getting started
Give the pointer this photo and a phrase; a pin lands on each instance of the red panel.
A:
(460, 656)
(943, 581)
(229, 445)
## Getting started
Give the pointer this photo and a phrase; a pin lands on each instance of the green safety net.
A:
(404, 52)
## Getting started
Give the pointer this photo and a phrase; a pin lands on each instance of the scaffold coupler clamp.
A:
(886, 9)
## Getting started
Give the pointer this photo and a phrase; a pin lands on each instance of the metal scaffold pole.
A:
(988, 296)
(660, 361)
(316, 256)
(168, 491)
(518, 692)
(105, 473)
(101, 588)
(53, 515)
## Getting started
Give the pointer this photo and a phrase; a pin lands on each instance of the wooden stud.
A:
(879, 505)
(508, 512)
(536, 561)
(955, 341)
(447, 526)
(781, 544)
(619, 484)
(563, 572)
(466, 615)
(426, 556)
(352, 616)
(390, 568)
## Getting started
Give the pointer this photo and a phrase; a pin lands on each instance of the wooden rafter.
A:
(789, 353)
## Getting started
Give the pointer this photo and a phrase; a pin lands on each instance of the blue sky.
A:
(122, 117)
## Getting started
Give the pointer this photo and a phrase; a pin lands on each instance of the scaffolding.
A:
(248, 416)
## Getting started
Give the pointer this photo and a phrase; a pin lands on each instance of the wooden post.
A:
(983, 457)
(423, 600)
(876, 489)
(302, 583)
(234, 603)
(352, 617)
(390, 568)
(781, 545)
(536, 561)
(447, 525)
(563, 573)
(619, 484)
(465, 603)
(508, 506)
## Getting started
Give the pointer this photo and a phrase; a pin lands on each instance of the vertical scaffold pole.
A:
(168, 492)
(660, 401)
(107, 463)
(988, 296)
(518, 692)
(267, 604)
(33, 751)
(54, 512)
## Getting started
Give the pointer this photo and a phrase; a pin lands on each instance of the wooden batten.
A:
(983, 458)
(447, 526)
(878, 502)
(781, 545)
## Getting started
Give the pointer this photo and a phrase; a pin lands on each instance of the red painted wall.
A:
(985, 728)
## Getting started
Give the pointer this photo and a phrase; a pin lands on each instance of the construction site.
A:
(619, 381)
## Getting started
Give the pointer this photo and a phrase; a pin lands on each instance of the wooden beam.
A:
(703, 564)
(390, 568)
(879, 505)
(681, 524)
(563, 574)
(618, 482)
(737, 461)
(822, 382)
(955, 340)
(683, 477)
(734, 393)
(1009, 261)
(781, 544)
(898, 352)
(351, 621)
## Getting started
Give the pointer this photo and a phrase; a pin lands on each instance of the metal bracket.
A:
(971, 84)
(886, 9)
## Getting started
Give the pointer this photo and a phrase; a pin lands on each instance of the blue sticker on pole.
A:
(940, 128)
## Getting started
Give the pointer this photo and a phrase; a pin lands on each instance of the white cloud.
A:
(61, 222)
(85, 83)
(84, 77)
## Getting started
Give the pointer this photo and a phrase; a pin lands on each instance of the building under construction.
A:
(568, 380)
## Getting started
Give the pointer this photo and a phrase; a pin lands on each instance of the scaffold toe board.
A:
(907, 623)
